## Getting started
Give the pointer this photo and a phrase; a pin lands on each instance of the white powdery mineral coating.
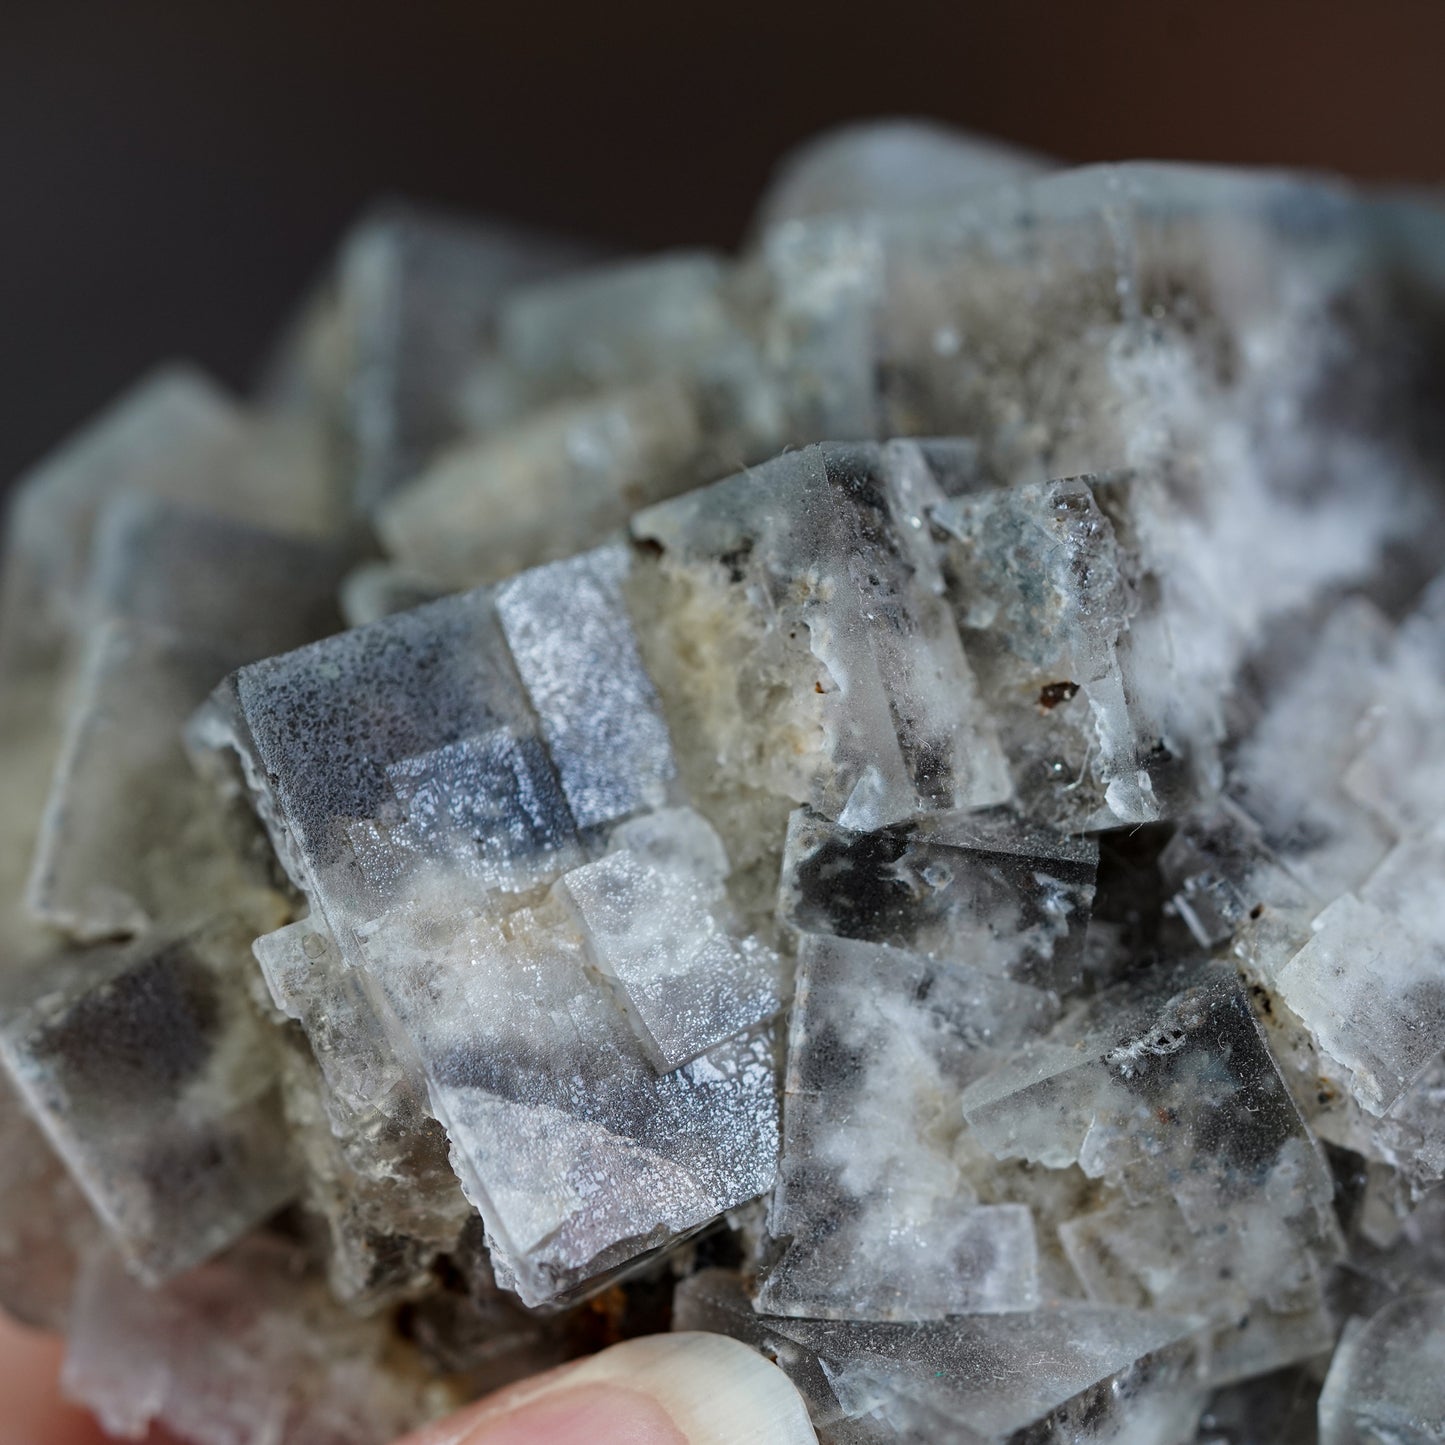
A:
(1289, 772)
(1224, 582)
(1399, 774)
(874, 1207)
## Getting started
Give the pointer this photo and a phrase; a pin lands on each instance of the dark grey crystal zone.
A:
(956, 908)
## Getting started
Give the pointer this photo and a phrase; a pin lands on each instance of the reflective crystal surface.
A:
(880, 795)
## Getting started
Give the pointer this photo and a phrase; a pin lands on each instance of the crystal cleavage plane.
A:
(952, 904)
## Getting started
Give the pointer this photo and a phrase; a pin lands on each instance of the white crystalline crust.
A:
(979, 891)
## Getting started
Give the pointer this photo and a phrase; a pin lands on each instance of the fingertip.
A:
(679, 1389)
(34, 1412)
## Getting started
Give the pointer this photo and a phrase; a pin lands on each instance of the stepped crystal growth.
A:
(953, 903)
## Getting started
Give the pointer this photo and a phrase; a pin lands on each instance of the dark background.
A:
(173, 172)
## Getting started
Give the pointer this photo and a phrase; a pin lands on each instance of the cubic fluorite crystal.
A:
(881, 796)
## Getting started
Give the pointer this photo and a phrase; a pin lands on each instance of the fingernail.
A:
(681, 1389)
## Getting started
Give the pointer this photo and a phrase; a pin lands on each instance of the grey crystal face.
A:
(1048, 1374)
(245, 1347)
(498, 741)
(568, 631)
(544, 1090)
(1383, 1383)
(1156, 1051)
(615, 323)
(420, 293)
(239, 586)
(1180, 1107)
(327, 725)
(170, 609)
(149, 1035)
(1002, 898)
(817, 557)
(159, 439)
(958, 913)
(45, 1220)
(88, 877)
(1228, 879)
(890, 165)
(128, 1026)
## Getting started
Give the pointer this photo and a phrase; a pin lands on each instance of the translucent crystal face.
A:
(1383, 1382)
(444, 839)
(874, 1196)
(959, 913)
(984, 891)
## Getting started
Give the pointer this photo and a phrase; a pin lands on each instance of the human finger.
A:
(677, 1389)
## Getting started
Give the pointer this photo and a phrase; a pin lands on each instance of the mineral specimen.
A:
(880, 797)
(1384, 1381)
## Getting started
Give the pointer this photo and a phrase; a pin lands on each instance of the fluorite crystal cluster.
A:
(955, 903)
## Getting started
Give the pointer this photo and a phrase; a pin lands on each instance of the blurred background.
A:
(174, 172)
